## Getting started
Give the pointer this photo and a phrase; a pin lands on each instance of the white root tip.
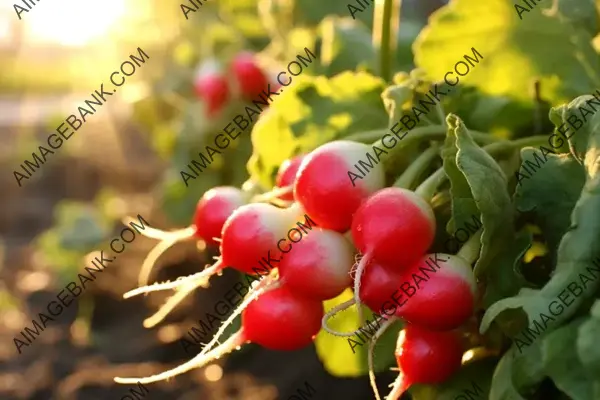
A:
(371, 354)
(236, 340)
(188, 286)
(201, 277)
(168, 240)
(359, 272)
(398, 387)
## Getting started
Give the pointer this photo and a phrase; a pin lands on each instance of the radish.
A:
(277, 320)
(212, 86)
(249, 76)
(444, 299)
(394, 226)
(286, 175)
(318, 266)
(322, 186)
(212, 210)
(249, 235)
(425, 357)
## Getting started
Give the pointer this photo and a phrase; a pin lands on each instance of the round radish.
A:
(322, 186)
(249, 76)
(318, 266)
(425, 357)
(277, 320)
(286, 175)
(212, 86)
(437, 292)
(442, 300)
(214, 208)
(395, 226)
(282, 320)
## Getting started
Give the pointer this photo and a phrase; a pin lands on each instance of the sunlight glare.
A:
(73, 22)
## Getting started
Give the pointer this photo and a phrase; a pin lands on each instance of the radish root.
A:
(234, 342)
(359, 271)
(199, 279)
(371, 354)
(167, 239)
(398, 387)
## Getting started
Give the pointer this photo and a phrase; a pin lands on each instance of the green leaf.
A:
(562, 364)
(577, 252)
(347, 357)
(587, 342)
(567, 68)
(346, 45)
(471, 382)
(313, 111)
(581, 108)
(550, 193)
(502, 387)
(483, 183)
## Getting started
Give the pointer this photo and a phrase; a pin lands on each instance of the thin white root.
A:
(168, 240)
(263, 286)
(398, 387)
(201, 278)
(236, 340)
(331, 313)
(373, 341)
(275, 193)
(171, 303)
(359, 271)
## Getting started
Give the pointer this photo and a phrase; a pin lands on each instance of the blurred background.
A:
(125, 160)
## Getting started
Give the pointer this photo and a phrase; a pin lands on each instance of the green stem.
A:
(428, 188)
(470, 250)
(416, 168)
(386, 36)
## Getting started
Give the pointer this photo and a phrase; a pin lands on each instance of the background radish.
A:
(212, 86)
(249, 77)
(322, 186)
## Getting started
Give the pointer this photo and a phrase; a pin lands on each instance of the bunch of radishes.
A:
(392, 228)
(214, 86)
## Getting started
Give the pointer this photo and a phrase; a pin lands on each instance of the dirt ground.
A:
(64, 362)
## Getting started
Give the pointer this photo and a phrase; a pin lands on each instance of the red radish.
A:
(286, 175)
(437, 292)
(212, 86)
(212, 210)
(425, 357)
(444, 299)
(249, 76)
(318, 266)
(322, 186)
(277, 320)
(394, 226)
(249, 240)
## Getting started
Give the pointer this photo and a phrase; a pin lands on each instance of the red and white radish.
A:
(319, 265)
(250, 78)
(286, 176)
(212, 86)
(322, 186)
